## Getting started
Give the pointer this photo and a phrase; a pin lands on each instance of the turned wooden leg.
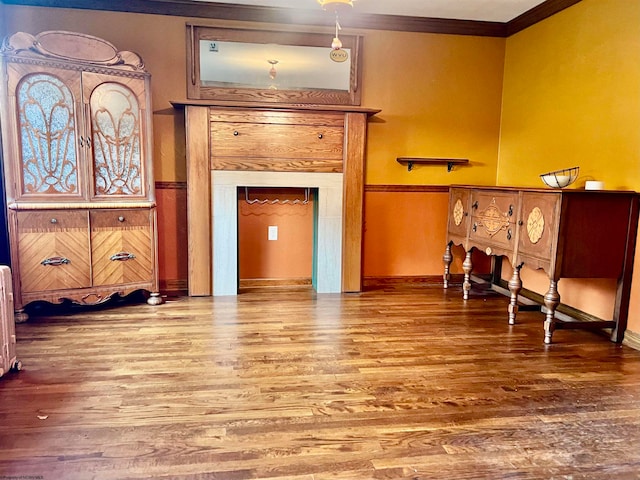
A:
(551, 301)
(515, 285)
(467, 267)
(447, 258)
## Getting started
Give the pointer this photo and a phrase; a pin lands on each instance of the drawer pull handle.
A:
(320, 136)
(55, 261)
(511, 210)
(475, 204)
(520, 222)
(509, 234)
(121, 219)
(54, 220)
(236, 133)
(475, 227)
(122, 257)
(81, 141)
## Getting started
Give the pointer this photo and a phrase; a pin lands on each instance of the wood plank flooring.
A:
(402, 383)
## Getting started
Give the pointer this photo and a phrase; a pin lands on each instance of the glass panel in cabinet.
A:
(116, 133)
(47, 136)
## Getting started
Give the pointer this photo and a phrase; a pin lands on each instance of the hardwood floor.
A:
(402, 383)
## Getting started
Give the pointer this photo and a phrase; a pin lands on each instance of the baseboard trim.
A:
(631, 339)
(174, 287)
(274, 282)
(431, 280)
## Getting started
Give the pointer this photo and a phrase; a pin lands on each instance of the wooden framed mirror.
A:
(272, 66)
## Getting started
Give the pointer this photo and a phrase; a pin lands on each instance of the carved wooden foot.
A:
(515, 285)
(551, 301)
(154, 299)
(20, 316)
(467, 267)
(447, 258)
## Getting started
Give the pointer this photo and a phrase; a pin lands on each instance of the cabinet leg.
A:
(20, 316)
(515, 285)
(447, 258)
(154, 299)
(467, 267)
(551, 301)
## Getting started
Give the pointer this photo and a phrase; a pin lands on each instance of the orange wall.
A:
(171, 199)
(288, 257)
(404, 233)
(571, 97)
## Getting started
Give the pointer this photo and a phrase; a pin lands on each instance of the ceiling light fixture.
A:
(272, 70)
(337, 6)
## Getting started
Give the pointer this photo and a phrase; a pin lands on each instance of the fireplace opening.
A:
(277, 237)
(328, 231)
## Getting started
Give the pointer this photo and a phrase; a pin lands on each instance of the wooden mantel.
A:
(202, 162)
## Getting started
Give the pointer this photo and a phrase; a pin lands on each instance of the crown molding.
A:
(224, 11)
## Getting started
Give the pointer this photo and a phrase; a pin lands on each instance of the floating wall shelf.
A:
(449, 162)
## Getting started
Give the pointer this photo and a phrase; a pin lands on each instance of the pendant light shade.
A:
(336, 6)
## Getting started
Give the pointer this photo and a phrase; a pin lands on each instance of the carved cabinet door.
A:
(115, 112)
(538, 224)
(47, 153)
(459, 212)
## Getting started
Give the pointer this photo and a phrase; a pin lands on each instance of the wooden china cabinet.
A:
(76, 133)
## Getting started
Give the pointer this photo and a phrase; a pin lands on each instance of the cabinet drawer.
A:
(52, 220)
(53, 255)
(122, 246)
(110, 219)
(259, 140)
(495, 205)
(504, 237)
(275, 117)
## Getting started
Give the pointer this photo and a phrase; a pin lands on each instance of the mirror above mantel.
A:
(268, 66)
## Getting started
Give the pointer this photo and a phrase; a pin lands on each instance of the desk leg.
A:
(551, 301)
(447, 258)
(515, 285)
(467, 267)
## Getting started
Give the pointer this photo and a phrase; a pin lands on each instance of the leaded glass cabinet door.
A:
(49, 133)
(116, 110)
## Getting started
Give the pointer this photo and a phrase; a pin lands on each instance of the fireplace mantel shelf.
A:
(275, 106)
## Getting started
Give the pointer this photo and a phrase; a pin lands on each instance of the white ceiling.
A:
(484, 10)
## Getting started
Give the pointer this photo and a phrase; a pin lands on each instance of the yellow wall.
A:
(440, 97)
(572, 98)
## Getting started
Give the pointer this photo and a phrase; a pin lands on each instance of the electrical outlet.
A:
(273, 232)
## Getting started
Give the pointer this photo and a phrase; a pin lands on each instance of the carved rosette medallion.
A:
(535, 225)
(458, 212)
(493, 220)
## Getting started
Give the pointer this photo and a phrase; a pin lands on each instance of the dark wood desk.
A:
(567, 233)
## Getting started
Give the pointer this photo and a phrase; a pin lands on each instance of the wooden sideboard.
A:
(566, 233)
